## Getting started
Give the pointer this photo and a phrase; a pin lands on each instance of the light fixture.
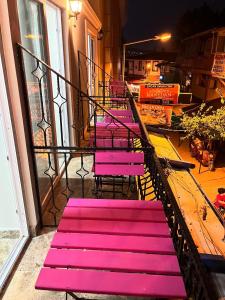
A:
(163, 37)
(76, 7)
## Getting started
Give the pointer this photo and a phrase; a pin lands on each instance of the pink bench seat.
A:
(113, 260)
(108, 142)
(121, 112)
(108, 203)
(114, 283)
(123, 119)
(119, 157)
(114, 214)
(127, 243)
(114, 227)
(119, 170)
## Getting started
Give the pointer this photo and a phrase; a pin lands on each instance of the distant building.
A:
(144, 66)
(201, 63)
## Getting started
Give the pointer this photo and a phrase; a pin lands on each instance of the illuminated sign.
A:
(155, 114)
(159, 93)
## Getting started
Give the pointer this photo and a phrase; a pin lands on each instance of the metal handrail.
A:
(83, 94)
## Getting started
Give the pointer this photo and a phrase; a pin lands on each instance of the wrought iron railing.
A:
(63, 169)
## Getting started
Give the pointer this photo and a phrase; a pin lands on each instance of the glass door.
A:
(33, 38)
(91, 65)
(55, 43)
(13, 225)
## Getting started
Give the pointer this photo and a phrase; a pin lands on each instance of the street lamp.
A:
(162, 37)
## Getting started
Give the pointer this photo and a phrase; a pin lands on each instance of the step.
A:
(133, 126)
(119, 157)
(113, 283)
(112, 227)
(143, 244)
(118, 170)
(112, 203)
(113, 260)
(117, 214)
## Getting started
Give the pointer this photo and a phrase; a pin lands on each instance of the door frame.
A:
(15, 176)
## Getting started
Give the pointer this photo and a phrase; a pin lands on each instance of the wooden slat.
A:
(159, 245)
(114, 283)
(119, 157)
(109, 203)
(113, 260)
(118, 170)
(112, 227)
(121, 112)
(115, 214)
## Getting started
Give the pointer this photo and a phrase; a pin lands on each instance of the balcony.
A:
(105, 121)
(203, 63)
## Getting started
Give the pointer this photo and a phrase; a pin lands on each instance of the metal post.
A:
(124, 61)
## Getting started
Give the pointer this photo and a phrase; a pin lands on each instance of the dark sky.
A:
(149, 17)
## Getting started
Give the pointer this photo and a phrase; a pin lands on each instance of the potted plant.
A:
(205, 130)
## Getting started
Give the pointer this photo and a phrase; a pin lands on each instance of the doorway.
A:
(13, 224)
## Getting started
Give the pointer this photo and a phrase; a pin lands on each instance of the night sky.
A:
(147, 18)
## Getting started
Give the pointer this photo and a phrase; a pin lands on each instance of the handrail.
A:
(87, 58)
(176, 221)
(83, 94)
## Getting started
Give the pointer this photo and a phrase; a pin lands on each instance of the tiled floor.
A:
(8, 240)
(22, 284)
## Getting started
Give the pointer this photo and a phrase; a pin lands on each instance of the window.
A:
(154, 66)
(221, 44)
(139, 65)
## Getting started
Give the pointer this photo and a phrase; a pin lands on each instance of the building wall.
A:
(197, 57)
(143, 68)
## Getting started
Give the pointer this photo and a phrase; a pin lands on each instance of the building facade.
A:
(202, 64)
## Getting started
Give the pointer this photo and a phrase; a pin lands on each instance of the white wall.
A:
(8, 207)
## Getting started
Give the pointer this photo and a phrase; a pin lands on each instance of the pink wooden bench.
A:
(124, 119)
(108, 142)
(121, 112)
(119, 157)
(131, 256)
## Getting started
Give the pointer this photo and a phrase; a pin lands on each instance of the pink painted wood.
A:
(115, 133)
(112, 227)
(114, 283)
(113, 260)
(133, 126)
(121, 112)
(140, 244)
(123, 119)
(105, 143)
(119, 170)
(114, 214)
(119, 157)
(108, 203)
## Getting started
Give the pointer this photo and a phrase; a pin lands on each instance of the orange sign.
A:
(159, 93)
(155, 114)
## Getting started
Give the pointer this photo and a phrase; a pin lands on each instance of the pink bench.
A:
(109, 256)
(109, 142)
(121, 112)
(119, 157)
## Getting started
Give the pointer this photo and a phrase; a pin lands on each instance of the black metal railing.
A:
(64, 170)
